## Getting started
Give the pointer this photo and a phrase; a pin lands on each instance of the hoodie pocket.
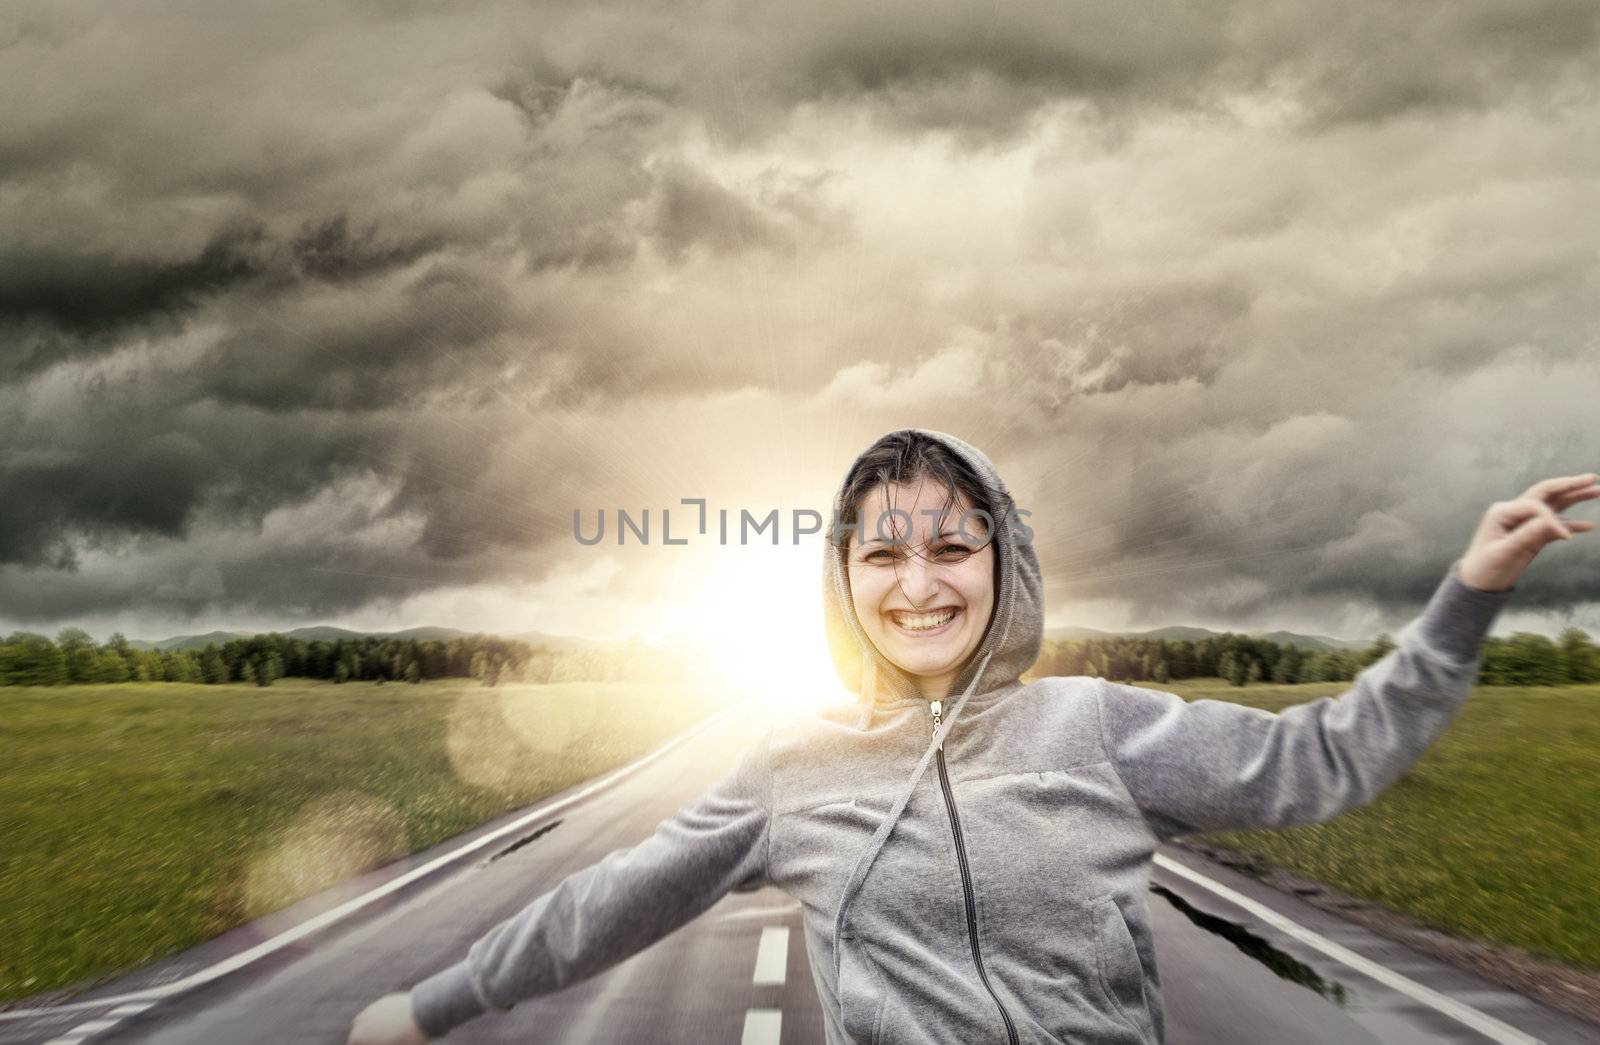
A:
(862, 992)
(1121, 974)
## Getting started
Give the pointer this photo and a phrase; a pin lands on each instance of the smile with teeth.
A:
(923, 621)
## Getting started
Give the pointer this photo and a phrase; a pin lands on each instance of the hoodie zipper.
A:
(936, 707)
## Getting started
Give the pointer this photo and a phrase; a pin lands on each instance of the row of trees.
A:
(1524, 659)
(27, 659)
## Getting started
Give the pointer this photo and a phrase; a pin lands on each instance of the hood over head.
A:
(1010, 643)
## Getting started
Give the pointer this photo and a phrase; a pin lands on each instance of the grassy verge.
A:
(1493, 834)
(140, 819)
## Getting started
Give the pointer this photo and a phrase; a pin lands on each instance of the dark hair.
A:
(906, 457)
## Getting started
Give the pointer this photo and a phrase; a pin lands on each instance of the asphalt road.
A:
(1239, 962)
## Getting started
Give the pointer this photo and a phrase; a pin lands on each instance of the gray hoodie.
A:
(992, 889)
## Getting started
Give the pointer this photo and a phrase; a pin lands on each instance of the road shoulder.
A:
(1573, 991)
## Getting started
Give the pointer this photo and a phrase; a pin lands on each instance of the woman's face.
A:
(924, 601)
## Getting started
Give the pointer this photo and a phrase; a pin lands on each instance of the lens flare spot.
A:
(334, 837)
(505, 738)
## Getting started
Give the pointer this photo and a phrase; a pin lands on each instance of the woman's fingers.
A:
(1512, 533)
(1565, 486)
(1571, 497)
(1555, 495)
(1527, 521)
(1583, 488)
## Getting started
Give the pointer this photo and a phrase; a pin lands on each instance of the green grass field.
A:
(140, 819)
(1493, 834)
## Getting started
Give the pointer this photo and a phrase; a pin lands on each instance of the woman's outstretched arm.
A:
(1213, 765)
(609, 911)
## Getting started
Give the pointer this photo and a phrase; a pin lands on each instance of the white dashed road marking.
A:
(762, 1027)
(772, 956)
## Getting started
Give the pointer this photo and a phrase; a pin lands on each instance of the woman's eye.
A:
(946, 553)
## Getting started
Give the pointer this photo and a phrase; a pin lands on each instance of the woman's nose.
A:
(919, 579)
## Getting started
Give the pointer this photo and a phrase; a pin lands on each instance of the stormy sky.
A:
(335, 312)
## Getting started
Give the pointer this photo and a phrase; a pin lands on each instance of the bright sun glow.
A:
(757, 610)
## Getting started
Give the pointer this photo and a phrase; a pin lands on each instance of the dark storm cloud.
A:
(981, 73)
(142, 495)
(502, 507)
(1365, 69)
(90, 293)
(101, 459)
(1218, 510)
(330, 250)
(1096, 344)
(46, 500)
(55, 304)
(692, 208)
(357, 350)
(314, 576)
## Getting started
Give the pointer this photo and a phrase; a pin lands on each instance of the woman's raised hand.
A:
(1513, 532)
(387, 1021)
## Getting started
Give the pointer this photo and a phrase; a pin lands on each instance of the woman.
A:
(972, 853)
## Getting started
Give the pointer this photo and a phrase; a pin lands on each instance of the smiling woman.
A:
(923, 574)
(1048, 798)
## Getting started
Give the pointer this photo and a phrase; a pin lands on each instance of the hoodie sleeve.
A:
(1211, 765)
(613, 909)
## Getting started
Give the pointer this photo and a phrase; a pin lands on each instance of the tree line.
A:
(1523, 659)
(27, 659)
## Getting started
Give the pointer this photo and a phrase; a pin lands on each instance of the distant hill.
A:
(217, 638)
(1283, 638)
(188, 642)
(540, 638)
(327, 633)
(324, 633)
(1179, 633)
(429, 634)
